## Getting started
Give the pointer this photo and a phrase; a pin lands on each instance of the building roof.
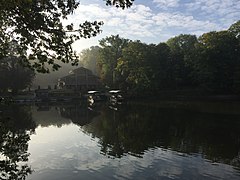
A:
(82, 70)
(79, 71)
(81, 76)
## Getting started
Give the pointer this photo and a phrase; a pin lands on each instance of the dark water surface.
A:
(134, 140)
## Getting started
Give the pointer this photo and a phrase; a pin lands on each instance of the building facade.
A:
(80, 79)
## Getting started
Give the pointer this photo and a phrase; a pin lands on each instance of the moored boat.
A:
(116, 96)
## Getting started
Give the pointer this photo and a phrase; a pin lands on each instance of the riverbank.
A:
(217, 104)
(183, 95)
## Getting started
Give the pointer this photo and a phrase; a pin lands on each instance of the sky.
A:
(155, 21)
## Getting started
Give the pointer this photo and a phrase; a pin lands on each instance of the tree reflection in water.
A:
(16, 125)
(79, 114)
(135, 128)
(130, 128)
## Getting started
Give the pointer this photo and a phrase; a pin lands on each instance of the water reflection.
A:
(128, 140)
(16, 126)
(136, 128)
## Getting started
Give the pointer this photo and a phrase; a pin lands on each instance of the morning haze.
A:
(119, 89)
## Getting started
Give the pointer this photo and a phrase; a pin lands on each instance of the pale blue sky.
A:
(155, 21)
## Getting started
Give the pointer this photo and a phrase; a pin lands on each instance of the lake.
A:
(132, 140)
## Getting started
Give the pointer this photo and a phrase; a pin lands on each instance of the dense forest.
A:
(209, 63)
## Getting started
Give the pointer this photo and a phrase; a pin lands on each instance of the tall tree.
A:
(134, 67)
(110, 52)
(182, 48)
(161, 66)
(218, 61)
(235, 29)
(37, 27)
(13, 75)
(88, 58)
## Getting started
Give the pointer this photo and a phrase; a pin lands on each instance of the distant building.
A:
(80, 79)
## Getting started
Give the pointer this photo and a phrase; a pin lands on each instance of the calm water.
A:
(164, 140)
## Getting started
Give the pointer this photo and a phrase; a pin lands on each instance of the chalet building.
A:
(80, 79)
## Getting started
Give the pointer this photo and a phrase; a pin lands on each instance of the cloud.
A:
(142, 22)
(133, 23)
(215, 8)
(184, 22)
(164, 4)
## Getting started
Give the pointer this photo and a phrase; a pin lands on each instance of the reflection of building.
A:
(56, 95)
(80, 79)
(79, 114)
(42, 94)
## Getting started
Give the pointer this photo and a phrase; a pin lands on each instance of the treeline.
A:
(209, 63)
(14, 76)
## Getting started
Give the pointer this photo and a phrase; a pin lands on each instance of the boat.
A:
(95, 96)
(115, 96)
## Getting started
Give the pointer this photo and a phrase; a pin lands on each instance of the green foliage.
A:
(210, 63)
(182, 51)
(133, 66)
(109, 53)
(13, 75)
(235, 29)
(218, 61)
(89, 59)
(162, 67)
(16, 125)
(120, 3)
(37, 28)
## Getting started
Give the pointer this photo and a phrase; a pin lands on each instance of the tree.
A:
(120, 3)
(159, 60)
(109, 53)
(134, 67)
(14, 76)
(235, 29)
(16, 126)
(88, 58)
(218, 61)
(182, 50)
(37, 27)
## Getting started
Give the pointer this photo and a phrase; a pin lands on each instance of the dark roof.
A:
(81, 76)
(79, 71)
(82, 70)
